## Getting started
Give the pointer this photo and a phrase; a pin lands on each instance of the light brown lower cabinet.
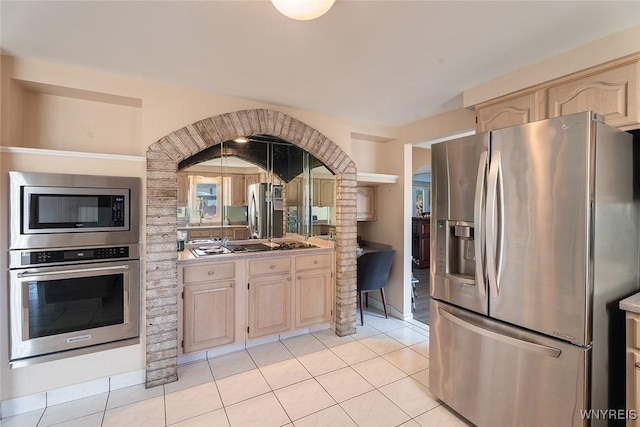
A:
(633, 368)
(314, 296)
(264, 295)
(208, 293)
(209, 315)
(269, 304)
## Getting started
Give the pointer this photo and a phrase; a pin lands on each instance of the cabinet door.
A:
(313, 297)
(316, 193)
(269, 304)
(328, 192)
(238, 190)
(209, 315)
(633, 386)
(294, 192)
(366, 203)
(240, 233)
(612, 93)
(517, 111)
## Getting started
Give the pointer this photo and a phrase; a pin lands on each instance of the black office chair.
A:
(373, 274)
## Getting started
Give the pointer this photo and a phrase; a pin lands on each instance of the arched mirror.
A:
(257, 187)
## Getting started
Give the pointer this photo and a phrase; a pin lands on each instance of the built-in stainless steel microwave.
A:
(55, 210)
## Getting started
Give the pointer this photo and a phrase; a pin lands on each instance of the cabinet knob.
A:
(211, 273)
(637, 365)
(231, 285)
(299, 277)
(271, 267)
(315, 261)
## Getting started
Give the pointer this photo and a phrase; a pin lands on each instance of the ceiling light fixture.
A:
(241, 139)
(303, 10)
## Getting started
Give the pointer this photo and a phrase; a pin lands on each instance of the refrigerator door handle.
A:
(500, 223)
(525, 345)
(492, 202)
(479, 232)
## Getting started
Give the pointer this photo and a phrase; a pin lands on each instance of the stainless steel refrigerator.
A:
(535, 240)
(265, 211)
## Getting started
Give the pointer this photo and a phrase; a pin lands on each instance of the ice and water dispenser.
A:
(455, 255)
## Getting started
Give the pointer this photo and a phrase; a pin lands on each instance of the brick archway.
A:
(163, 157)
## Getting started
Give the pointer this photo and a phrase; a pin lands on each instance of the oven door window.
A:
(74, 304)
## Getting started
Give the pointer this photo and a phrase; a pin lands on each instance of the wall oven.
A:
(74, 265)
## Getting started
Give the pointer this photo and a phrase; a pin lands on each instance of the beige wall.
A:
(604, 50)
(420, 157)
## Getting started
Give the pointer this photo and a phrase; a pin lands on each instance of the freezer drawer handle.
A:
(459, 278)
(538, 348)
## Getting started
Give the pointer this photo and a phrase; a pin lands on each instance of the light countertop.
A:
(187, 257)
(631, 303)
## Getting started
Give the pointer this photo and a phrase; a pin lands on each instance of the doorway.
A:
(421, 236)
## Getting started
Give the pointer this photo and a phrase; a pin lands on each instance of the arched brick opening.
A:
(163, 157)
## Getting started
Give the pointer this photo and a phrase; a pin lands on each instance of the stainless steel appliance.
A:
(535, 240)
(59, 210)
(74, 265)
(72, 299)
(266, 206)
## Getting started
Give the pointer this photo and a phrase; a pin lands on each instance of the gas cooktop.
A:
(249, 247)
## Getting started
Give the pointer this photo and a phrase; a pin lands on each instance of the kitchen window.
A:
(205, 197)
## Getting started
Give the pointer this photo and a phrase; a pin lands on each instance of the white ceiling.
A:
(387, 62)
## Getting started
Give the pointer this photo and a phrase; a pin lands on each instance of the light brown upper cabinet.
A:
(324, 191)
(510, 112)
(612, 93)
(294, 192)
(611, 90)
(238, 190)
(366, 203)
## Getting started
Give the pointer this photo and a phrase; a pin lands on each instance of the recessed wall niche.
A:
(69, 119)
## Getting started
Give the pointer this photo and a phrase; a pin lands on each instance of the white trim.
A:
(427, 144)
(378, 178)
(79, 154)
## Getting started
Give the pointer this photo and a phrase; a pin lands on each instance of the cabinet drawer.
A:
(306, 262)
(208, 272)
(195, 234)
(268, 266)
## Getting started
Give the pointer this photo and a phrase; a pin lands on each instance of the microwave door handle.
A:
(28, 273)
(479, 228)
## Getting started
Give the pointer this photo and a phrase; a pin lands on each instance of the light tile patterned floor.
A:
(377, 377)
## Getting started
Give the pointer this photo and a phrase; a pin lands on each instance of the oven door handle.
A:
(28, 273)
